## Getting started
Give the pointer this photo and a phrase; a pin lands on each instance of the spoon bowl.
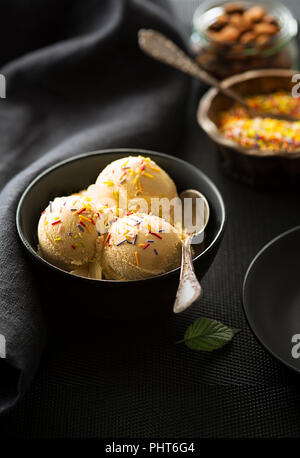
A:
(196, 213)
(198, 202)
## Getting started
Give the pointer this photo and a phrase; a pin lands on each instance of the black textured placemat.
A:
(143, 385)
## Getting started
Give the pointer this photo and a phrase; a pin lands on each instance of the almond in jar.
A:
(230, 38)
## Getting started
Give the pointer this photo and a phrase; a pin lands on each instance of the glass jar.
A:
(224, 59)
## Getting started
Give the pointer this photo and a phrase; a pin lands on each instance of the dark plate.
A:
(271, 297)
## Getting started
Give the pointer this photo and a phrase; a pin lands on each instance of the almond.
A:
(270, 19)
(237, 49)
(220, 22)
(229, 34)
(235, 19)
(245, 24)
(234, 8)
(248, 37)
(262, 40)
(264, 28)
(255, 14)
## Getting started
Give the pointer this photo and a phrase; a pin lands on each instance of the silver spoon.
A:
(161, 48)
(189, 289)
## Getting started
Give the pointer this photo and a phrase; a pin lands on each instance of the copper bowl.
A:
(252, 166)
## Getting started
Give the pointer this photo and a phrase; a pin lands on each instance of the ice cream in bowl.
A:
(101, 224)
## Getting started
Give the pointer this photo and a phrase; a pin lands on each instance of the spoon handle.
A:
(189, 288)
(161, 48)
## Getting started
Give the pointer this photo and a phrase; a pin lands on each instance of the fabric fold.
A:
(89, 88)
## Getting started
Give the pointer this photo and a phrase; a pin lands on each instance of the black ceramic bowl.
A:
(108, 297)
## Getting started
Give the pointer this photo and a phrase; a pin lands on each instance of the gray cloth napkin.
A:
(76, 81)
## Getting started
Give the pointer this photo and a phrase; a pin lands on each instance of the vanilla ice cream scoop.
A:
(67, 232)
(139, 246)
(131, 183)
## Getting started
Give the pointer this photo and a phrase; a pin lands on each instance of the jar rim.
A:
(286, 20)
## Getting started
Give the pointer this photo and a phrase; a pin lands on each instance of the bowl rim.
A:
(213, 131)
(134, 151)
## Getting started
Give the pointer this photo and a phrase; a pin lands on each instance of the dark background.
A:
(143, 385)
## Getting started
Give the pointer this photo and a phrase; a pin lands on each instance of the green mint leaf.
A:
(205, 334)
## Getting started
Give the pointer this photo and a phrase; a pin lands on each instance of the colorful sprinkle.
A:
(108, 183)
(152, 167)
(81, 210)
(156, 235)
(56, 222)
(155, 251)
(264, 133)
(137, 260)
(135, 221)
(85, 218)
(146, 246)
(80, 227)
(120, 243)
